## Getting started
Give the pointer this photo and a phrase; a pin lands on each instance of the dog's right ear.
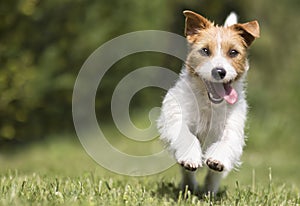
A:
(194, 23)
(249, 31)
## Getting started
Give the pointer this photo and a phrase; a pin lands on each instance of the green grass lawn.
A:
(93, 189)
(59, 172)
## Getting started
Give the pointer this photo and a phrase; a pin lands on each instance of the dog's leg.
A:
(212, 182)
(185, 147)
(224, 154)
(189, 180)
(176, 134)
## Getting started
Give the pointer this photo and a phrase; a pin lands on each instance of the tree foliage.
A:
(44, 43)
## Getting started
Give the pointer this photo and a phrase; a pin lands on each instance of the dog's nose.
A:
(218, 73)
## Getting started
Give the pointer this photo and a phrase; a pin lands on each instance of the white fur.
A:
(195, 129)
(231, 19)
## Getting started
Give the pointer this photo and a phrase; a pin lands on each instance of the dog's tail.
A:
(231, 19)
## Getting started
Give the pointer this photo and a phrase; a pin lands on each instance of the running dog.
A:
(203, 116)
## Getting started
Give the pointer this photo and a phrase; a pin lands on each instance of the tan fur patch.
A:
(231, 39)
(209, 38)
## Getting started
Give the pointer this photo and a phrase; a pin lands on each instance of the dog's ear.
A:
(194, 23)
(249, 31)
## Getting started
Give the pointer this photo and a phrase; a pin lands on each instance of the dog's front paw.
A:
(215, 165)
(190, 165)
(191, 159)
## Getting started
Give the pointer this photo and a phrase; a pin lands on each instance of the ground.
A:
(59, 172)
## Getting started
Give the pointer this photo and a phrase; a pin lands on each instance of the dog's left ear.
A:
(249, 31)
(194, 23)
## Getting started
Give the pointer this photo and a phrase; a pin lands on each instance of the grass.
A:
(93, 189)
(59, 172)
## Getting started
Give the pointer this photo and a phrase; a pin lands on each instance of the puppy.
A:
(203, 116)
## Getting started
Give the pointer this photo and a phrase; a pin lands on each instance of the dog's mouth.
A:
(219, 91)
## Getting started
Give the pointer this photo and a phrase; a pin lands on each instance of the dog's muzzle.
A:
(217, 92)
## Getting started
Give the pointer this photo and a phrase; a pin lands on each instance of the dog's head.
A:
(218, 54)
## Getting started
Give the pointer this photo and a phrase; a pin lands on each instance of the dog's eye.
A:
(204, 52)
(233, 53)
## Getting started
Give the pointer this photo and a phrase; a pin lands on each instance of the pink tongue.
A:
(230, 95)
(227, 92)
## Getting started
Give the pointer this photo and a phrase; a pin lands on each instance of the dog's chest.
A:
(209, 125)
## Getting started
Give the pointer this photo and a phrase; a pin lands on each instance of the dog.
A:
(203, 116)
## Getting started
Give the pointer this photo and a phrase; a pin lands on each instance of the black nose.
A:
(218, 73)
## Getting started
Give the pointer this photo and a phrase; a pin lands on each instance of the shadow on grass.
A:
(172, 191)
(168, 190)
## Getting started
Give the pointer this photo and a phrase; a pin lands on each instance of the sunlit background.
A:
(43, 45)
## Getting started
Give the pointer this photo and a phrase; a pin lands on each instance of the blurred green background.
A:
(43, 45)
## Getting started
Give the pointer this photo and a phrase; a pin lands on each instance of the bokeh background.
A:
(43, 45)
